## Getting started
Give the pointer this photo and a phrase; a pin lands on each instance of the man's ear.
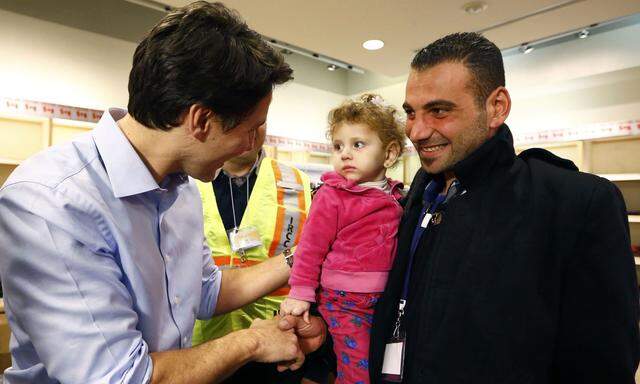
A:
(197, 122)
(393, 151)
(498, 106)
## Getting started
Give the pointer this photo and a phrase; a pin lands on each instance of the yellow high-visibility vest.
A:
(277, 208)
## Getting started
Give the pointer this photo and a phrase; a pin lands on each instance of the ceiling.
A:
(337, 28)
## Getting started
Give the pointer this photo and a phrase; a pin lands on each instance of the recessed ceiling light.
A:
(331, 67)
(475, 7)
(583, 34)
(373, 45)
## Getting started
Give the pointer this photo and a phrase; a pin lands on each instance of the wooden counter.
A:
(5, 334)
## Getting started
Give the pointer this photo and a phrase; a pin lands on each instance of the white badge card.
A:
(393, 362)
(244, 238)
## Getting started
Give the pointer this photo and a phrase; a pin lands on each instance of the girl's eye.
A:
(358, 145)
(337, 147)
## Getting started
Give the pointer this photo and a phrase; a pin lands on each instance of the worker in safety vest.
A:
(254, 209)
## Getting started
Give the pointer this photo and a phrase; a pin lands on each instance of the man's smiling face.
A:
(444, 121)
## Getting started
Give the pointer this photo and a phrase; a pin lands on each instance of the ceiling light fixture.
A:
(526, 48)
(331, 67)
(586, 31)
(289, 49)
(373, 45)
(475, 7)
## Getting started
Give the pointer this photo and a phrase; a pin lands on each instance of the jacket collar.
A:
(475, 168)
(495, 152)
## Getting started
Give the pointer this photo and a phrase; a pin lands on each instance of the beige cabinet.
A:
(5, 335)
(23, 136)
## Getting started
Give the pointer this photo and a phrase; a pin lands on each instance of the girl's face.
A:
(358, 153)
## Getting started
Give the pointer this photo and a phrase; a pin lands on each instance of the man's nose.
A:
(418, 130)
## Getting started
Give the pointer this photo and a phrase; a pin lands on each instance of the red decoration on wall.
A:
(589, 131)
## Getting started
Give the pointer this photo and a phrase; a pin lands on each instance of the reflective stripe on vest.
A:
(277, 206)
(267, 202)
(223, 263)
(289, 222)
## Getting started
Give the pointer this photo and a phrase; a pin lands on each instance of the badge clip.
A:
(243, 239)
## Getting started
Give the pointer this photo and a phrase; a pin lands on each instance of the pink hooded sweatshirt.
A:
(349, 241)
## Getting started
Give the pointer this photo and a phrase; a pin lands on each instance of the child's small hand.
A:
(295, 307)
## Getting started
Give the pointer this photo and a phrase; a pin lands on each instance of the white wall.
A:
(568, 85)
(300, 112)
(577, 83)
(48, 62)
(393, 94)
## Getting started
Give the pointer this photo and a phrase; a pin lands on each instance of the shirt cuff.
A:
(301, 292)
(210, 292)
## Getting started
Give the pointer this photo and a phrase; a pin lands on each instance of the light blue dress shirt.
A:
(100, 265)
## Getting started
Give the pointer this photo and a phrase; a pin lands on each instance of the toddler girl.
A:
(349, 241)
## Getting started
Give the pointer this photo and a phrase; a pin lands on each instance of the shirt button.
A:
(176, 300)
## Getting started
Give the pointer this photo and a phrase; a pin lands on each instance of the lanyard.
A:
(431, 201)
(417, 235)
(233, 207)
(247, 178)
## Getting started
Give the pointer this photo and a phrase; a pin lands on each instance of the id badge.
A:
(393, 363)
(242, 239)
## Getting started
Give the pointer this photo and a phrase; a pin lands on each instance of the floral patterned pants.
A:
(349, 316)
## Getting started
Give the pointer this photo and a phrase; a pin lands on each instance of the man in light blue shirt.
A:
(102, 257)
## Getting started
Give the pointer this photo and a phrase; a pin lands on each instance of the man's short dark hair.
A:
(481, 57)
(202, 54)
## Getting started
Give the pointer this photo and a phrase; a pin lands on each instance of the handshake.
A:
(286, 339)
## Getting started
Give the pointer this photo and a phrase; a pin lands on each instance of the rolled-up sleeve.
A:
(211, 279)
(65, 298)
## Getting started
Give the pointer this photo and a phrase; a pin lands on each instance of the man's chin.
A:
(209, 176)
(432, 166)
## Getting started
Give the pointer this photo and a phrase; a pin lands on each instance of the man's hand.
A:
(277, 345)
(311, 335)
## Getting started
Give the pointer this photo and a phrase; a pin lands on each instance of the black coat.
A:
(528, 279)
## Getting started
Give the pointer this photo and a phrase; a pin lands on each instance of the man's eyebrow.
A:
(439, 103)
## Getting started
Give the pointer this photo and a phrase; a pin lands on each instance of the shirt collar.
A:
(127, 173)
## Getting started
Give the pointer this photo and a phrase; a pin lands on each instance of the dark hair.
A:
(202, 54)
(372, 111)
(481, 57)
